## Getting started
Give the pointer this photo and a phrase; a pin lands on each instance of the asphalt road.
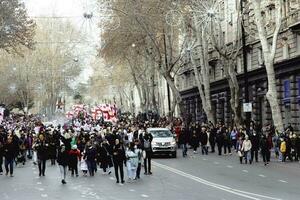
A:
(193, 178)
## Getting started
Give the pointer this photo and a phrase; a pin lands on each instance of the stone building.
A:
(287, 67)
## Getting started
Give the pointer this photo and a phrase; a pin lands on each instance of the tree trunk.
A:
(273, 98)
(234, 92)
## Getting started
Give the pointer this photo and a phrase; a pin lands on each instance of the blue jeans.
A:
(91, 166)
(10, 163)
(184, 150)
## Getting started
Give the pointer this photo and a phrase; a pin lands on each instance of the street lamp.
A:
(246, 81)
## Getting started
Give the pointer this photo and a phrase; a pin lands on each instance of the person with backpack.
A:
(147, 139)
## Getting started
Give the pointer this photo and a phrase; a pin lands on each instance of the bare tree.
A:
(269, 51)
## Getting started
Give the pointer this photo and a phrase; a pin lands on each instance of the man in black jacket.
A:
(41, 147)
(10, 152)
(146, 143)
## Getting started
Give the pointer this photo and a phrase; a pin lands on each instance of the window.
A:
(260, 57)
(298, 85)
(287, 91)
(298, 43)
(249, 60)
(239, 65)
(285, 49)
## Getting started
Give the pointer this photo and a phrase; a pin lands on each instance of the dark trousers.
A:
(9, 163)
(119, 166)
(42, 166)
(204, 149)
(233, 143)
(220, 150)
(74, 169)
(265, 156)
(138, 170)
(91, 166)
(254, 154)
(147, 162)
(184, 150)
(227, 146)
(212, 146)
(1, 163)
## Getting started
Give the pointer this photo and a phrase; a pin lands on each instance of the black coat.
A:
(63, 158)
(184, 136)
(41, 148)
(118, 154)
(10, 151)
(203, 138)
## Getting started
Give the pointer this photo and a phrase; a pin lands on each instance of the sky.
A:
(73, 10)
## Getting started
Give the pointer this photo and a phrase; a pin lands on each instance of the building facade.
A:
(287, 67)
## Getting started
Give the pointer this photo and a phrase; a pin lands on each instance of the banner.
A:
(1, 114)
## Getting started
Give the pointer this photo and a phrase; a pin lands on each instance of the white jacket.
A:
(246, 145)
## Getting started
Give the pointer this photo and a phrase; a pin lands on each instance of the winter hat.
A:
(74, 147)
(67, 136)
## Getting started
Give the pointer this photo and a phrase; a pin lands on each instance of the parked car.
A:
(164, 141)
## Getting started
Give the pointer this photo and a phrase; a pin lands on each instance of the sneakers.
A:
(63, 181)
(1, 173)
(11, 175)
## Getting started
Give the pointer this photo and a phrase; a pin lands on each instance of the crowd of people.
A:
(246, 143)
(87, 145)
(83, 145)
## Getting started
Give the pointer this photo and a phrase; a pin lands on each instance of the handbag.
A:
(240, 154)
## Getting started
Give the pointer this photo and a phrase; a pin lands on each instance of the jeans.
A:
(74, 169)
(9, 163)
(63, 172)
(42, 166)
(247, 155)
(117, 166)
(138, 170)
(91, 166)
(204, 150)
(147, 162)
(184, 150)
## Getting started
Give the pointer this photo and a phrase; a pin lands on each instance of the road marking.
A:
(241, 193)
(144, 195)
(39, 183)
(261, 175)
(132, 190)
(112, 178)
(216, 163)
(229, 166)
(44, 195)
(246, 171)
(282, 181)
(204, 159)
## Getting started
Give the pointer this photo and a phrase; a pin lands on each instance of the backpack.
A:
(147, 145)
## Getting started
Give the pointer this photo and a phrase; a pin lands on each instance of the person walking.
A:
(147, 140)
(264, 149)
(118, 160)
(183, 140)
(41, 147)
(74, 156)
(246, 148)
(63, 161)
(90, 158)
(283, 149)
(10, 153)
(131, 162)
(254, 138)
(204, 141)
(139, 152)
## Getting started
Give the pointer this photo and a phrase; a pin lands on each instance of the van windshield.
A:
(161, 134)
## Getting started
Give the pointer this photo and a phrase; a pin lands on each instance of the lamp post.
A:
(245, 64)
